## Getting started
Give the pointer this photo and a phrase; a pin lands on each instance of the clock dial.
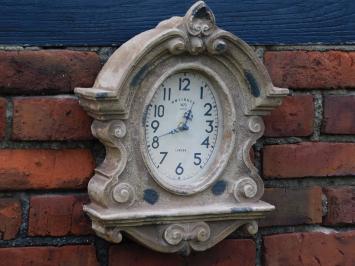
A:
(182, 127)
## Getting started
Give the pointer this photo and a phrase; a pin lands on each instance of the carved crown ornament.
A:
(178, 108)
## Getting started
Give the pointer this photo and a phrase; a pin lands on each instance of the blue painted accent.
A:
(153, 217)
(151, 196)
(139, 75)
(253, 85)
(101, 95)
(240, 210)
(220, 47)
(112, 22)
(219, 187)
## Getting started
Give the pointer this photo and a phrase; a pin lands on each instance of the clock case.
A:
(124, 196)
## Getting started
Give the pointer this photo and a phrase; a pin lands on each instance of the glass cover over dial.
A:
(182, 128)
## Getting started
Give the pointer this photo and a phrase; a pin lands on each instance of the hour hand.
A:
(188, 115)
(183, 126)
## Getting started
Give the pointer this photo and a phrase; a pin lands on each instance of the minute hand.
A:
(171, 132)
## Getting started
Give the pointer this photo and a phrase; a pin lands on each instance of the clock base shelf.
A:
(177, 230)
(145, 215)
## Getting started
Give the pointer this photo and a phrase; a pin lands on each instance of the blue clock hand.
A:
(183, 125)
(171, 132)
(188, 116)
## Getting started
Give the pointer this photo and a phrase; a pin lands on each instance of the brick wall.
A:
(47, 155)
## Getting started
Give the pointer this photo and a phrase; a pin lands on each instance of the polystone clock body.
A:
(178, 109)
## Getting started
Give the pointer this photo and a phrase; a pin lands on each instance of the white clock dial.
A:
(182, 127)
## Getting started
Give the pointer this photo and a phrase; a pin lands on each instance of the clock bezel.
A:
(222, 151)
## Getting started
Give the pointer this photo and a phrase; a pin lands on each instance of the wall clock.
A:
(178, 109)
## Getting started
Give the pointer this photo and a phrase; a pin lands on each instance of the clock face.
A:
(182, 129)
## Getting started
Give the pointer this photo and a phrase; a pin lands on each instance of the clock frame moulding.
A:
(124, 196)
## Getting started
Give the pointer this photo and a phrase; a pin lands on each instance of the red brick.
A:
(45, 169)
(228, 252)
(58, 215)
(10, 218)
(339, 115)
(314, 248)
(341, 205)
(311, 69)
(309, 159)
(293, 118)
(49, 118)
(3, 104)
(130, 254)
(47, 71)
(80, 255)
(293, 206)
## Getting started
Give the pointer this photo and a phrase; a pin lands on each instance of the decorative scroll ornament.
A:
(176, 233)
(177, 46)
(252, 227)
(245, 189)
(110, 234)
(126, 195)
(119, 129)
(200, 20)
(200, 26)
(255, 124)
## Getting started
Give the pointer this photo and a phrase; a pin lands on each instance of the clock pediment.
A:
(194, 34)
